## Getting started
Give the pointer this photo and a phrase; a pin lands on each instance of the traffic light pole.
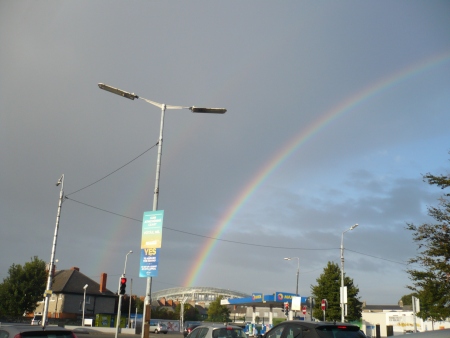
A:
(121, 291)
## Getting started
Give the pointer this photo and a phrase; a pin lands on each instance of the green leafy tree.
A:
(161, 312)
(328, 287)
(431, 282)
(139, 303)
(191, 313)
(23, 288)
(407, 299)
(218, 312)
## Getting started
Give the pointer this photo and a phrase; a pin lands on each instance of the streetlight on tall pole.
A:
(51, 268)
(298, 271)
(84, 303)
(120, 293)
(343, 291)
(163, 107)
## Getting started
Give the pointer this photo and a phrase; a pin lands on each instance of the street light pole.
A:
(343, 294)
(84, 303)
(52, 257)
(163, 107)
(120, 295)
(298, 270)
(129, 304)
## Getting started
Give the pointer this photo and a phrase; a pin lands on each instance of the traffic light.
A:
(286, 308)
(123, 285)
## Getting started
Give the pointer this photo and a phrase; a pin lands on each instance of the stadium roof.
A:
(194, 292)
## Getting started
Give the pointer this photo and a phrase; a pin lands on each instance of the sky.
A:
(335, 110)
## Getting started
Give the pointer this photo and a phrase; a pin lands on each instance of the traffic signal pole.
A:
(121, 291)
(122, 286)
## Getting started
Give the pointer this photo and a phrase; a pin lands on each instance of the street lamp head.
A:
(208, 110)
(131, 251)
(287, 258)
(60, 180)
(85, 287)
(118, 91)
(354, 226)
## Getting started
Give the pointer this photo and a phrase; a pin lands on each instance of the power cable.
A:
(113, 171)
(234, 242)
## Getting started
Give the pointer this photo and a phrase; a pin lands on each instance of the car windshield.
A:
(228, 332)
(338, 331)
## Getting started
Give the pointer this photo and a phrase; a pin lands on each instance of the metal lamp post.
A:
(48, 290)
(343, 294)
(129, 303)
(84, 303)
(163, 107)
(120, 296)
(298, 270)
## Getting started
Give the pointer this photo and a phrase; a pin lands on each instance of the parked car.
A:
(27, 331)
(188, 329)
(217, 331)
(297, 328)
(37, 320)
(158, 327)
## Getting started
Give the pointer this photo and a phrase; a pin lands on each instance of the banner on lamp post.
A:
(152, 224)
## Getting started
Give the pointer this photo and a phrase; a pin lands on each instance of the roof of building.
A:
(72, 282)
(380, 308)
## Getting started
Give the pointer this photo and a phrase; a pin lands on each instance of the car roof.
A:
(316, 324)
(220, 326)
(26, 328)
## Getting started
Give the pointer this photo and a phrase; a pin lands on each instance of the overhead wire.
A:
(134, 159)
(198, 235)
(231, 241)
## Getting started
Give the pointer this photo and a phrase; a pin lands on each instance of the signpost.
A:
(304, 310)
(324, 306)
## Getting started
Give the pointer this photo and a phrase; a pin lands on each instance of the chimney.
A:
(103, 277)
(75, 268)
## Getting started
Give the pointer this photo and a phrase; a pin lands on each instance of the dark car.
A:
(188, 329)
(302, 329)
(28, 331)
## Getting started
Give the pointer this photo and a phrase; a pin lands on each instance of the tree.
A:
(218, 312)
(191, 313)
(328, 287)
(23, 288)
(407, 299)
(431, 281)
(139, 305)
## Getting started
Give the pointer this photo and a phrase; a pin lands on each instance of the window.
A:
(202, 333)
(293, 331)
(276, 333)
(195, 332)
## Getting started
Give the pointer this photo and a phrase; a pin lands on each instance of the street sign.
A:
(324, 304)
(304, 310)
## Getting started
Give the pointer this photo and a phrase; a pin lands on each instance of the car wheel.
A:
(156, 331)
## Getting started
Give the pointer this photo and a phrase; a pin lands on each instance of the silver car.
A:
(217, 331)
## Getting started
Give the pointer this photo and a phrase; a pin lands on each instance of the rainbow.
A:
(290, 147)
